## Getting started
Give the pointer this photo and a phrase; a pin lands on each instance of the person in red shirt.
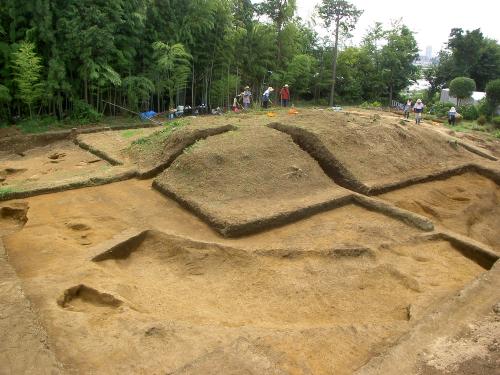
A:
(285, 96)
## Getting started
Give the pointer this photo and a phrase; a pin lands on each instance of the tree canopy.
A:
(58, 56)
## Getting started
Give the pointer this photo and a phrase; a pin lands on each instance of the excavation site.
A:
(315, 243)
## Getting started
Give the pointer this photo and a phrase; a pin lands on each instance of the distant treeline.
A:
(59, 57)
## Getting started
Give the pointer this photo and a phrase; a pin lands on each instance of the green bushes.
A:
(82, 112)
(441, 109)
(374, 104)
(496, 121)
(468, 111)
(481, 120)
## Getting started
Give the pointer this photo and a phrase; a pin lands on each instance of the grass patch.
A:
(5, 191)
(156, 139)
(130, 133)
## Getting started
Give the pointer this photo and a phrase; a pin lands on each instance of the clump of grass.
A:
(5, 191)
(130, 133)
(157, 138)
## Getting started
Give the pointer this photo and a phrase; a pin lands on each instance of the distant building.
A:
(428, 52)
(474, 98)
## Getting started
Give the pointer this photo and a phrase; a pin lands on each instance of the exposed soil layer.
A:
(361, 152)
(243, 178)
(163, 303)
(112, 144)
(155, 153)
(56, 162)
(120, 278)
(468, 204)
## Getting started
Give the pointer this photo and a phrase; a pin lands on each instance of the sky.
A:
(432, 20)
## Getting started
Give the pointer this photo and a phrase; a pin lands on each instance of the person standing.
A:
(285, 96)
(418, 108)
(452, 114)
(247, 97)
(407, 109)
(265, 97)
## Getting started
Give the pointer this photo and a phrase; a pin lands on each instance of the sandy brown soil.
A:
(246, 176)
(468, 204)
(60, 161)
(375, 150)
(114, 142)
(152, 154)
(341, 287)
(120, 278)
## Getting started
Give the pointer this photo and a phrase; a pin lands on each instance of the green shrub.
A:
(493, 91)
(84, 112)
(441, 109)
(496, 121)
(468, 111)
(481, 120)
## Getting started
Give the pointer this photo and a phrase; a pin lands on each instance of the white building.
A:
(475, 97)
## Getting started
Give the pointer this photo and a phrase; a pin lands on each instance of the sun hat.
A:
(286, 85)
(247, 87)
(419, 100)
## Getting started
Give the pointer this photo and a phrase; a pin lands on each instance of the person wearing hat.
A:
(265, 97)
(452, 114)
(247, 97)
(285, 96)
(418, 108)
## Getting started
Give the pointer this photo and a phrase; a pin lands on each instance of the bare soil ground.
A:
(371, 150)
(246, 176)
(61, 162)
(468, 204)
(121, 278)
(334, 283)
(115, 142)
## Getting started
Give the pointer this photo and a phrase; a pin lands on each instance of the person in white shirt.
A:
(418, 108)
(265, 97)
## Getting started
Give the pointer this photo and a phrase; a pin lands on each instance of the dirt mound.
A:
(157, 151)
(242, 180)
(366, 152)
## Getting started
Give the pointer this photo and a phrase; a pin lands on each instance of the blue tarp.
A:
(147, 115)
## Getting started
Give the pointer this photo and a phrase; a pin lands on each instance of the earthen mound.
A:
(157, 151)
(244, 180)
(369, 153)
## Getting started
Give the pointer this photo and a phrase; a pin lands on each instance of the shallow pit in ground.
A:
(468, 204)
(248, 179)
(343, 284)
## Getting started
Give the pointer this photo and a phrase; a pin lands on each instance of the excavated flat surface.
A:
(245, 176)
(376, 150)
(468, 204)
(336, 292)
(59, 162)
(115, 142)
(342, 290)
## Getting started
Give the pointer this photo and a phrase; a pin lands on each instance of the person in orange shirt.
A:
(285, 96)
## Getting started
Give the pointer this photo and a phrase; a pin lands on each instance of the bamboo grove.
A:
(59, 55)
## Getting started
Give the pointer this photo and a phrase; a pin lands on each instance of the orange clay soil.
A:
(468, 204)
(319, 296)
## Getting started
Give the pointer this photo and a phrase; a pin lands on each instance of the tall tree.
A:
(397, 59)
(27, 75)
(343, 16)
(173, 68)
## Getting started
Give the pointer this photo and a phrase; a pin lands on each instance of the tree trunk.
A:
(334, 70)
